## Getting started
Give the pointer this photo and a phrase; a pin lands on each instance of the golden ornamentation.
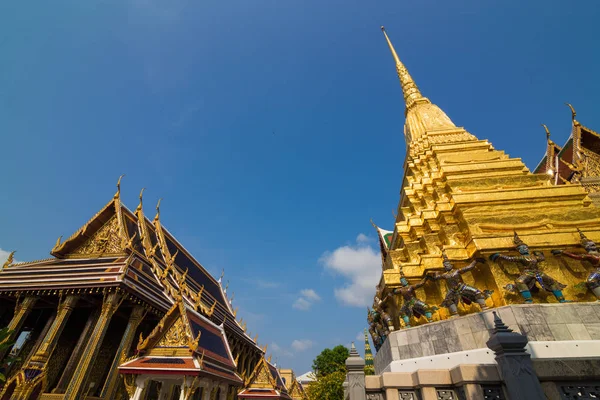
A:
(130, 386)
(9, 261)
(573, 112)
(105, 241)
(118, 194)
(176, 336)
(461, 195)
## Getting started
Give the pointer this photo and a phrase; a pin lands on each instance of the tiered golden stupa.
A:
(462, 201)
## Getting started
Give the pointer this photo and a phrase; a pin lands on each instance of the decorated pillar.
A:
(22, 310)
(356, 375)
(78, 384)
(43, 353)
(112, 380)
(65, 378)
(32, 376)
(514, 363)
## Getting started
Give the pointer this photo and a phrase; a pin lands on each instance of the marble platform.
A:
(559, 329)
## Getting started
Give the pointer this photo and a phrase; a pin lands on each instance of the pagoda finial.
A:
(368, 353)
(409, 87)
(573, 112)
(118, 194)
(547, 132)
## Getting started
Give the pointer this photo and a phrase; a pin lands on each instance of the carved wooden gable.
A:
(294, 391)
(105, 241)
(178, 335)
(263, 377)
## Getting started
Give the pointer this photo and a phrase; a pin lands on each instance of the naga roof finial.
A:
(118, 194)
(573, 112)
(10, 259)
(547, 132)
(139, 207)
(157, 217)
(409, 87)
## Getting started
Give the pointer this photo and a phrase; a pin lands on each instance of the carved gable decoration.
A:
(178, 335)
(104, 241)
(262, 377)
(295, 392)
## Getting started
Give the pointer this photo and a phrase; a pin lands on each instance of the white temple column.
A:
(165, 390)
(140, 384)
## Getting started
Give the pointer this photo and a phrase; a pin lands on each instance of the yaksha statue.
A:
(378, 332)
(593, 256)
(411, 304)
(458, 290)
(530, 272)
(384, 317)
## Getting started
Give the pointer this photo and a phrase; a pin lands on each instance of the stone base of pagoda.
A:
(554, 331)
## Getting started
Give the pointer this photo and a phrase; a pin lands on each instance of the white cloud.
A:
(4, 256)
(362, 239)
(307, 298)
(302, 304)
(360, 336)
(361, 266)
(302, 344)
(280, 351)
(310, 294)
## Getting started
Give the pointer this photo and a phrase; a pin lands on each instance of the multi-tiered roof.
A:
(122, 250)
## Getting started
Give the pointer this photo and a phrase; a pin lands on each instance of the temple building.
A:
(482, 250)
(121, 296)
(294, 388)
(576, 161)
(265, 383)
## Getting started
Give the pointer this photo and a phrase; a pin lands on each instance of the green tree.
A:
(5, 344)
(330, 361)
(327, 387)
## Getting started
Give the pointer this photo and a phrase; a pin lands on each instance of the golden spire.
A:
(412, 94)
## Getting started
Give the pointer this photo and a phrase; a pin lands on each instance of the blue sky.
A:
(272, 129)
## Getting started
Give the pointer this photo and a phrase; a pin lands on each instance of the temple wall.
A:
(561, 379)
(557, 327)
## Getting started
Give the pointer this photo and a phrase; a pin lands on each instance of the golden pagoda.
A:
(463, 202)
